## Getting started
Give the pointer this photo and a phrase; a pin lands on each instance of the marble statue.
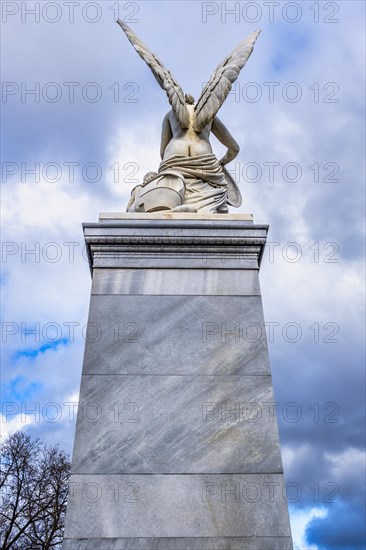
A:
(190, 178)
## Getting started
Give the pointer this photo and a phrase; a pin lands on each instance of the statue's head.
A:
(189, 99)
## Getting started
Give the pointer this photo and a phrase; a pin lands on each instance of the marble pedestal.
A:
(176, 444)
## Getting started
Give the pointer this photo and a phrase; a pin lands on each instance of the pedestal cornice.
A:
(179, 241)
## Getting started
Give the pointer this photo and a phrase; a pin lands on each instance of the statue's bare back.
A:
(187, 141)
(176, 140)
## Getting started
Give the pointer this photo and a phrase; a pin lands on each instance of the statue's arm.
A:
(166, 135)
(220, 131)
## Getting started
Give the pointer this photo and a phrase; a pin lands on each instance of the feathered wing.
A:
(162, 75)
(221, 81)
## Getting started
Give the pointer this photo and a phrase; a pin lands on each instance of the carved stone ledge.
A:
(194, 242)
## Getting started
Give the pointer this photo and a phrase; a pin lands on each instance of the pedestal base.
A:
(176, 443)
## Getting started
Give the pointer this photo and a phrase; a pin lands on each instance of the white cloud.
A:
(299, 521)
(136, 152)
(9, 426)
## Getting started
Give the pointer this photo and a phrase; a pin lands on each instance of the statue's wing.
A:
(162, 75)
(221, 80)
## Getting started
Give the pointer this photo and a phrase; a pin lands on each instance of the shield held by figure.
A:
(165, 192)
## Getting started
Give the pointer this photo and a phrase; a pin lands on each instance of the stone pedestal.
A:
(176, 443)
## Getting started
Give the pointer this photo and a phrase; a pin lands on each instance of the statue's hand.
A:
(149, 177)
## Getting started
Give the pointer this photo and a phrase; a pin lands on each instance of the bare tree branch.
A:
(34, 484)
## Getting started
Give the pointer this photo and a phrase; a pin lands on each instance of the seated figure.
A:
(189, 170)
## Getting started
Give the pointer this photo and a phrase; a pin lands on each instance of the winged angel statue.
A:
(190, 178)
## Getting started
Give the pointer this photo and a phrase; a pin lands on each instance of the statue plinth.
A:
(176, 443)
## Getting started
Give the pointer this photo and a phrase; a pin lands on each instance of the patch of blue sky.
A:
(291, 46)
(300, 519)
(20, 389)
(342, 527)
(282, 62)
(32, 353)
(3, 278)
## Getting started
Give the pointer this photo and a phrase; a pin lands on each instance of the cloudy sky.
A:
(81, 125)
